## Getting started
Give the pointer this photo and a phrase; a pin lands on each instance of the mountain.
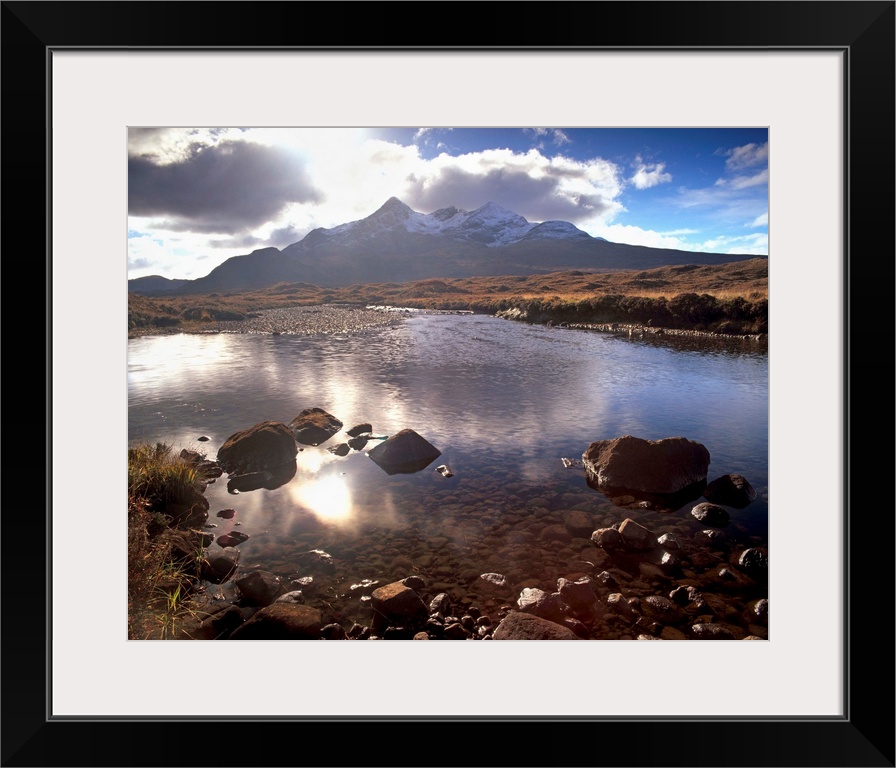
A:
(155, 284)
(398, 244)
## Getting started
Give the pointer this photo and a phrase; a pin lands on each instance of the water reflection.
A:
(328, 498)
(502, 402)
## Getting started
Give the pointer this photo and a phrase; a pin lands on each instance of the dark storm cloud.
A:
(228, 187)
(537, 199)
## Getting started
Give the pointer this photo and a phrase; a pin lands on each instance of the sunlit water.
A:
(502, 400)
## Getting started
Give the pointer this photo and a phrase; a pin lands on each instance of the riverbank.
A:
(725, 299)
(305, 321)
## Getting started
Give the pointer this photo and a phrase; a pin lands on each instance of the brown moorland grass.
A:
(746, 280)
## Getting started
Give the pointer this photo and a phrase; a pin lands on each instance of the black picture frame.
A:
(864, 736)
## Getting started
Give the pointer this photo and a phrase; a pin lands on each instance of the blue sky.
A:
(197, 196)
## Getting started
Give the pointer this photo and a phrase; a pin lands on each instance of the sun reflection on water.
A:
(328, 498)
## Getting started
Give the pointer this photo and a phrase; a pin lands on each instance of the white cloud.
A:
(747, 156)
(557, 137)
(759, 221)
(631, 235)
(650, 175)
(740, 244)
(744, 182)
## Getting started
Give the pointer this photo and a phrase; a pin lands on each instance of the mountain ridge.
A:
(397, 244)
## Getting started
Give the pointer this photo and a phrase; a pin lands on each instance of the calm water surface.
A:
(503, 401)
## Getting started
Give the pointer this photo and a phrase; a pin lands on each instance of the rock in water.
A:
(265, 446)
(664, 467)
(314, 426)
(731, 490)
(404, 452)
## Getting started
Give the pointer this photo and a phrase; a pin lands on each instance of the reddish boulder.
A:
(266, 446)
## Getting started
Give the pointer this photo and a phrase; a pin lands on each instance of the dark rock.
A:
(340, 450)
(203, 438)
(668, 541)
(227, 514)
(333, 632)
(360, 429)
(547, 605)
(358, 632)
(314, 426)
(266, 446)
(435, 627)
(398, 633)
(757, 612)
(731, 490)
(608, 539)
(710, 632)
(414, 582)
(317, 560)
(357, 443)
(578, 594)
(192, 457)
(221, 624)
(659, 471)
(662, 609)
(495, 581)
(440, 604)
(456, 631)
(397, 605)
(636, 536)
(405, 452)
(607, 579)
(754, 560)
(232, 539)
(281, 621)
(220, 566)
(517, 625)
(260, 587)
(617, 603)
(711, 514)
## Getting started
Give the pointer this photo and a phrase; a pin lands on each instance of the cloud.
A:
(756, 244)
(744, 182)
(224, 187)
(530, 184)
(632, 235)
(555, 135)
(650, 175)
(746, 156)
(759, 221)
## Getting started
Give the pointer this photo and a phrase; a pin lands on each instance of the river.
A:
(503, 401)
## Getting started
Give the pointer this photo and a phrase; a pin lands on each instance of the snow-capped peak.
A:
(491, 224)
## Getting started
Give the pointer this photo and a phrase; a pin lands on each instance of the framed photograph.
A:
(817, 76)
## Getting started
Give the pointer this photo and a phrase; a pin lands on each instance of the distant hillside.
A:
(397, 244)
(155, 284)
(744, 282)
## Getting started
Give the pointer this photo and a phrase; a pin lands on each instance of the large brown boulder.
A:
(631, 464)
(281, 621)
(267, 446)
(314, 426)
(405, 452)
(517, 625)
(397, 605)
